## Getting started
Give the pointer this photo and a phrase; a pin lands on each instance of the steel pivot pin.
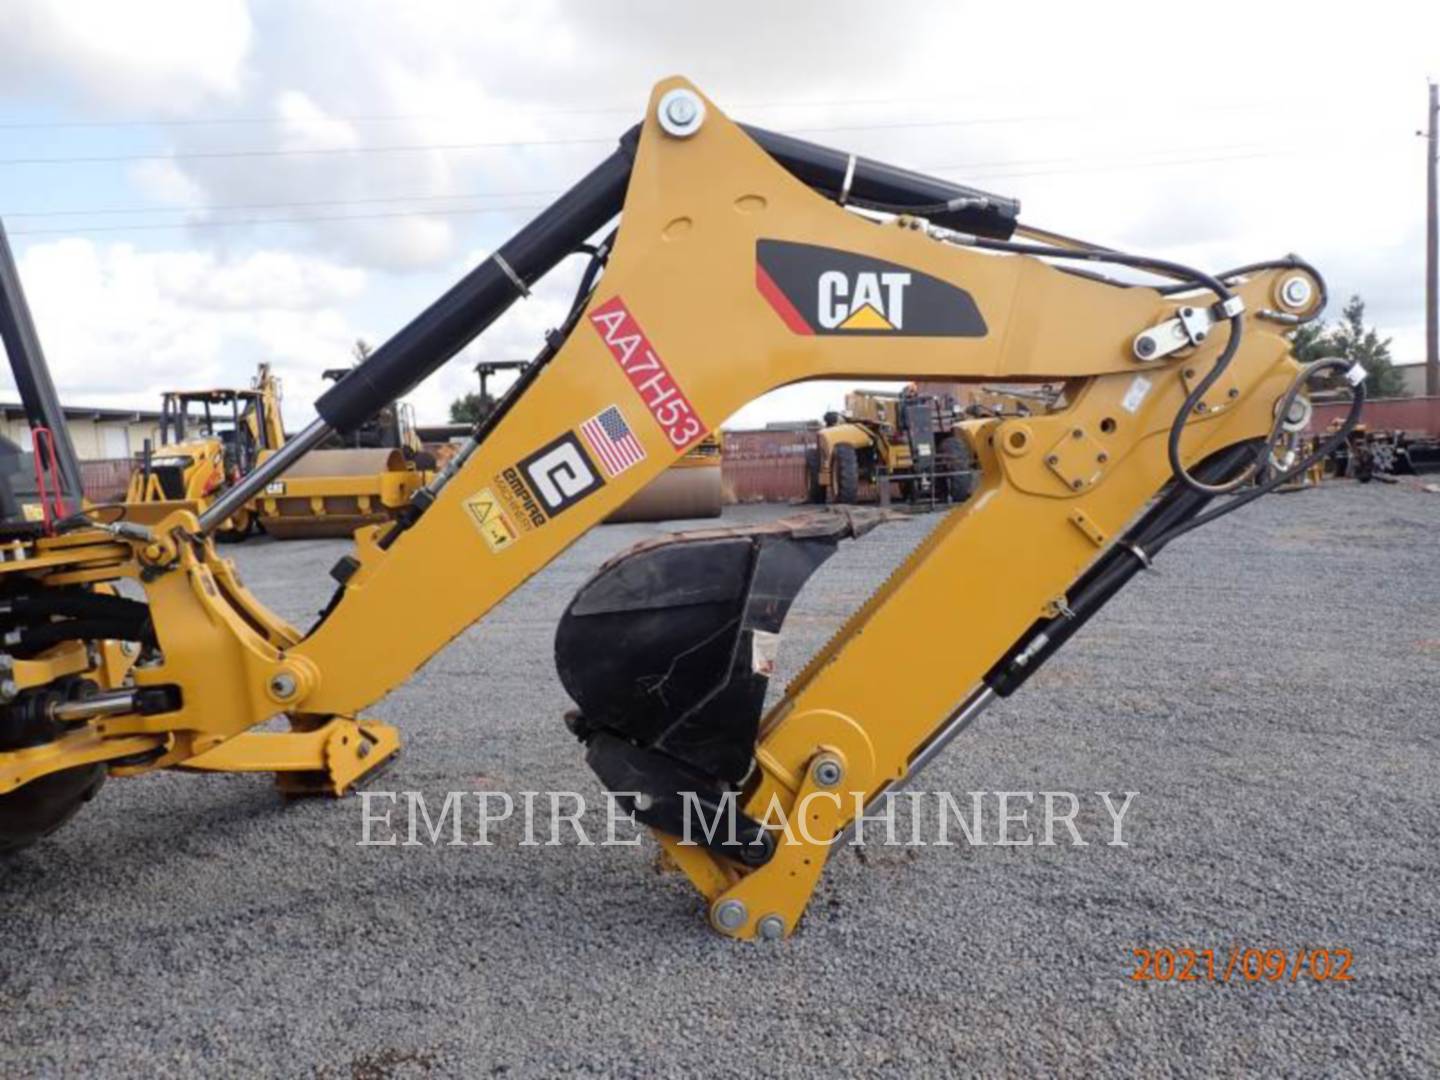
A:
(681, 112)
(730, 915)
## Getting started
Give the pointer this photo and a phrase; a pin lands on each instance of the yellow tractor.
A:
(209, 440)
(364, 478)
(910, 444)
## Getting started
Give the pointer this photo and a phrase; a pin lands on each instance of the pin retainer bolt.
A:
(827, 772)
(771, 927)
(1295, 292)
(730, 915)
(681, 112)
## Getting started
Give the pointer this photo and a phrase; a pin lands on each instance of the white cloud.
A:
(262, 281)
(153, 54)
(1132, 128)
(120, 325)
(303, 125)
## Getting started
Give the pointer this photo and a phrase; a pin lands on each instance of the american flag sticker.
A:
(613, 442)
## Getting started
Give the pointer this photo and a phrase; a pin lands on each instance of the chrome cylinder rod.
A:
(272, 468)
(957, 723)
(111, 703)
(963, 718)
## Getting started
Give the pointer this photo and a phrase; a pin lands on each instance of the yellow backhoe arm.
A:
(730, 275)
(678, 337)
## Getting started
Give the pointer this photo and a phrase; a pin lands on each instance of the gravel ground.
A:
(1271, 696)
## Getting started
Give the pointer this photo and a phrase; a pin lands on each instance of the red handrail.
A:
(47, 465)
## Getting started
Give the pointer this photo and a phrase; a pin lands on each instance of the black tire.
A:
(814, 489)
(1362, 465)
(845, 475)
(953, 456)
(37, 809)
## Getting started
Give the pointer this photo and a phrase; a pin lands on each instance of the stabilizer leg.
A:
(329, 759)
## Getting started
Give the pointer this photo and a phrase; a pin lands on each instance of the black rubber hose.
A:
(1352, 417)
(1198, 392)
(46, 634)
(1290, 262)
(77, 604)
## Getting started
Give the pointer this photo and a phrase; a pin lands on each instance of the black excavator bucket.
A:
(668, 651)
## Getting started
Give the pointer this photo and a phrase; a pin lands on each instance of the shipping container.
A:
(768, 465)
(1416, 414)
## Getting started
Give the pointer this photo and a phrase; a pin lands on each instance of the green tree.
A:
(1351, 339)
(1363, 345)
(471, 409)
(1309, 343)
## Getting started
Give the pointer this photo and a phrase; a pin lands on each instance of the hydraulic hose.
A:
(46, 634)
(1352, 417)
(1198, 392)
(76, 604)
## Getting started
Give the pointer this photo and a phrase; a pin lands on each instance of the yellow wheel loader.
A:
(908, 444)
(365, 477)
(742, 261)
(209, 439)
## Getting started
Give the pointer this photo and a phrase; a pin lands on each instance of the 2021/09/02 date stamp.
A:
(1241, 963)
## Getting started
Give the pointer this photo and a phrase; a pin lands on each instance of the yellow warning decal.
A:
(492, 521)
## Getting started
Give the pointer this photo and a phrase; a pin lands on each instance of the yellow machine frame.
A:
(1056, 490)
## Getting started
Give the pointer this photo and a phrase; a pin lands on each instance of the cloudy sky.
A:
(196, 185)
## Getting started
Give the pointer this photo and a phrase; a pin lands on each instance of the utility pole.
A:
(1432, 332)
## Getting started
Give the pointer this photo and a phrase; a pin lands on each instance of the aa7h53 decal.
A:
(820, 290)
(647, 373)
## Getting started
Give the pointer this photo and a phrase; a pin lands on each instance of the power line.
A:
(268, 152)
(974, 170)
(540, 110)
(457, 211)
(980, 172)
(971, 171)
(200, 155)
(194, 208)
(306, 220)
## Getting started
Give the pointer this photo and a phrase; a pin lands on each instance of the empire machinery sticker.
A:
(647, 373)
(550, 481)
